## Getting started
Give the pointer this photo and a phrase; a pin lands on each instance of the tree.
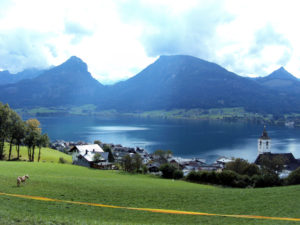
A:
(167, 170)
(33, 133)
(42, 141)
(272, 165)
(107, 148)
(162, 155)
(137, 162)
(13, 129)
(242, 167)
(98, 142)
(132, 164)
(294, 177)
(19, 136)
(5, 112)
(127, 163)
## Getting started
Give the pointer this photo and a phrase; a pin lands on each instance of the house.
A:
(288, 159)
(153, 167)
(86, 155)
(211, 167)
(264, 153)
(222, 161)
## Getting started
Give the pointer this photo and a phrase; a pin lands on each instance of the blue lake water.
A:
(204, 139)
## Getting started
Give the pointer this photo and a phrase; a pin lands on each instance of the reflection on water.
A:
(206, 139)
(117, 128)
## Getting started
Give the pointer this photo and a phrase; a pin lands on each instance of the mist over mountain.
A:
(171, 82)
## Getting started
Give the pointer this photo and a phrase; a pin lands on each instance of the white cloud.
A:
(118, 38)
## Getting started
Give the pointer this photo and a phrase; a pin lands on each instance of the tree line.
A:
(16, 132)
(240, 173)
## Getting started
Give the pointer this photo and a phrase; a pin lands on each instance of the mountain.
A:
(7, 78)
(171, 82)
(281, 81)
(188, 82)
(67, 84)
(280, 74)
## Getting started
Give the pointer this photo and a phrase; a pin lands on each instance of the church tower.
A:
(264, 142)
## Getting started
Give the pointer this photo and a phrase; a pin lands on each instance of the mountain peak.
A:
(282, 74)
(281, 69)
(75, 59)
(74, 63)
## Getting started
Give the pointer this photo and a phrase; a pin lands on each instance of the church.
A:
(264, 152)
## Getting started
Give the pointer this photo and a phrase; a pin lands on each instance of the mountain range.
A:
(171, 82)
(7, 78)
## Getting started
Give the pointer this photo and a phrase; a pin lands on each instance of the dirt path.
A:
(168, 211)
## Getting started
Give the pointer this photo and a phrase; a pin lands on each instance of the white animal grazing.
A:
(22, 180)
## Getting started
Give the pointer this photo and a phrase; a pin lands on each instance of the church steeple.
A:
(264, 142)
(264, 135)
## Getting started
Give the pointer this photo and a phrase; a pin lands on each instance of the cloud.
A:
(267, 36)
(258, 52)
(20, 49)
(119, 38)
(167, 30)
(77, 31)
(5, 5)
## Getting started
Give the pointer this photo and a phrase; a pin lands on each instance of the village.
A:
(97, 156)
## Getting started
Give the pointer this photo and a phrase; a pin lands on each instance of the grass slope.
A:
(68, 182)
(47, 154)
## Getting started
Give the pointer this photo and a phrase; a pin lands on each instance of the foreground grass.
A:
(47, 154)
(76, 183)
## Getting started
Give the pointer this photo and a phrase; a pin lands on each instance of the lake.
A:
(186, 138)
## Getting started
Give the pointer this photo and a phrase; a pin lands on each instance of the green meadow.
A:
(75, 183)
(47, 154)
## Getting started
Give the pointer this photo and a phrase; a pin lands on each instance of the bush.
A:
(193, 176)
(242, 181)
(242, 167)
(294, 177)
(233, 179)
(144, 169)
(168, 170)
(266, 180)
(178, 174)
(62, 160)
(227, 177)
(211, 177)
(252, 169)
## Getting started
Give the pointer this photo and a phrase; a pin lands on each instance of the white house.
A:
(84, 155)
(222, 161)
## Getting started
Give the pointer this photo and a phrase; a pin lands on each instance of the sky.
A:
(119, 38)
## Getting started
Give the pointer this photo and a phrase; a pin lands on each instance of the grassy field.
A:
(75, 183)
(47, 154)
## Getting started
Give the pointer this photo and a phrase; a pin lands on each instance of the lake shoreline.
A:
(235, 114)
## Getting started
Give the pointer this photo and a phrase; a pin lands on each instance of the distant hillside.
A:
(171, 82)
(67, 84)
(7, 78)
(188, 82)
(281, 81)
